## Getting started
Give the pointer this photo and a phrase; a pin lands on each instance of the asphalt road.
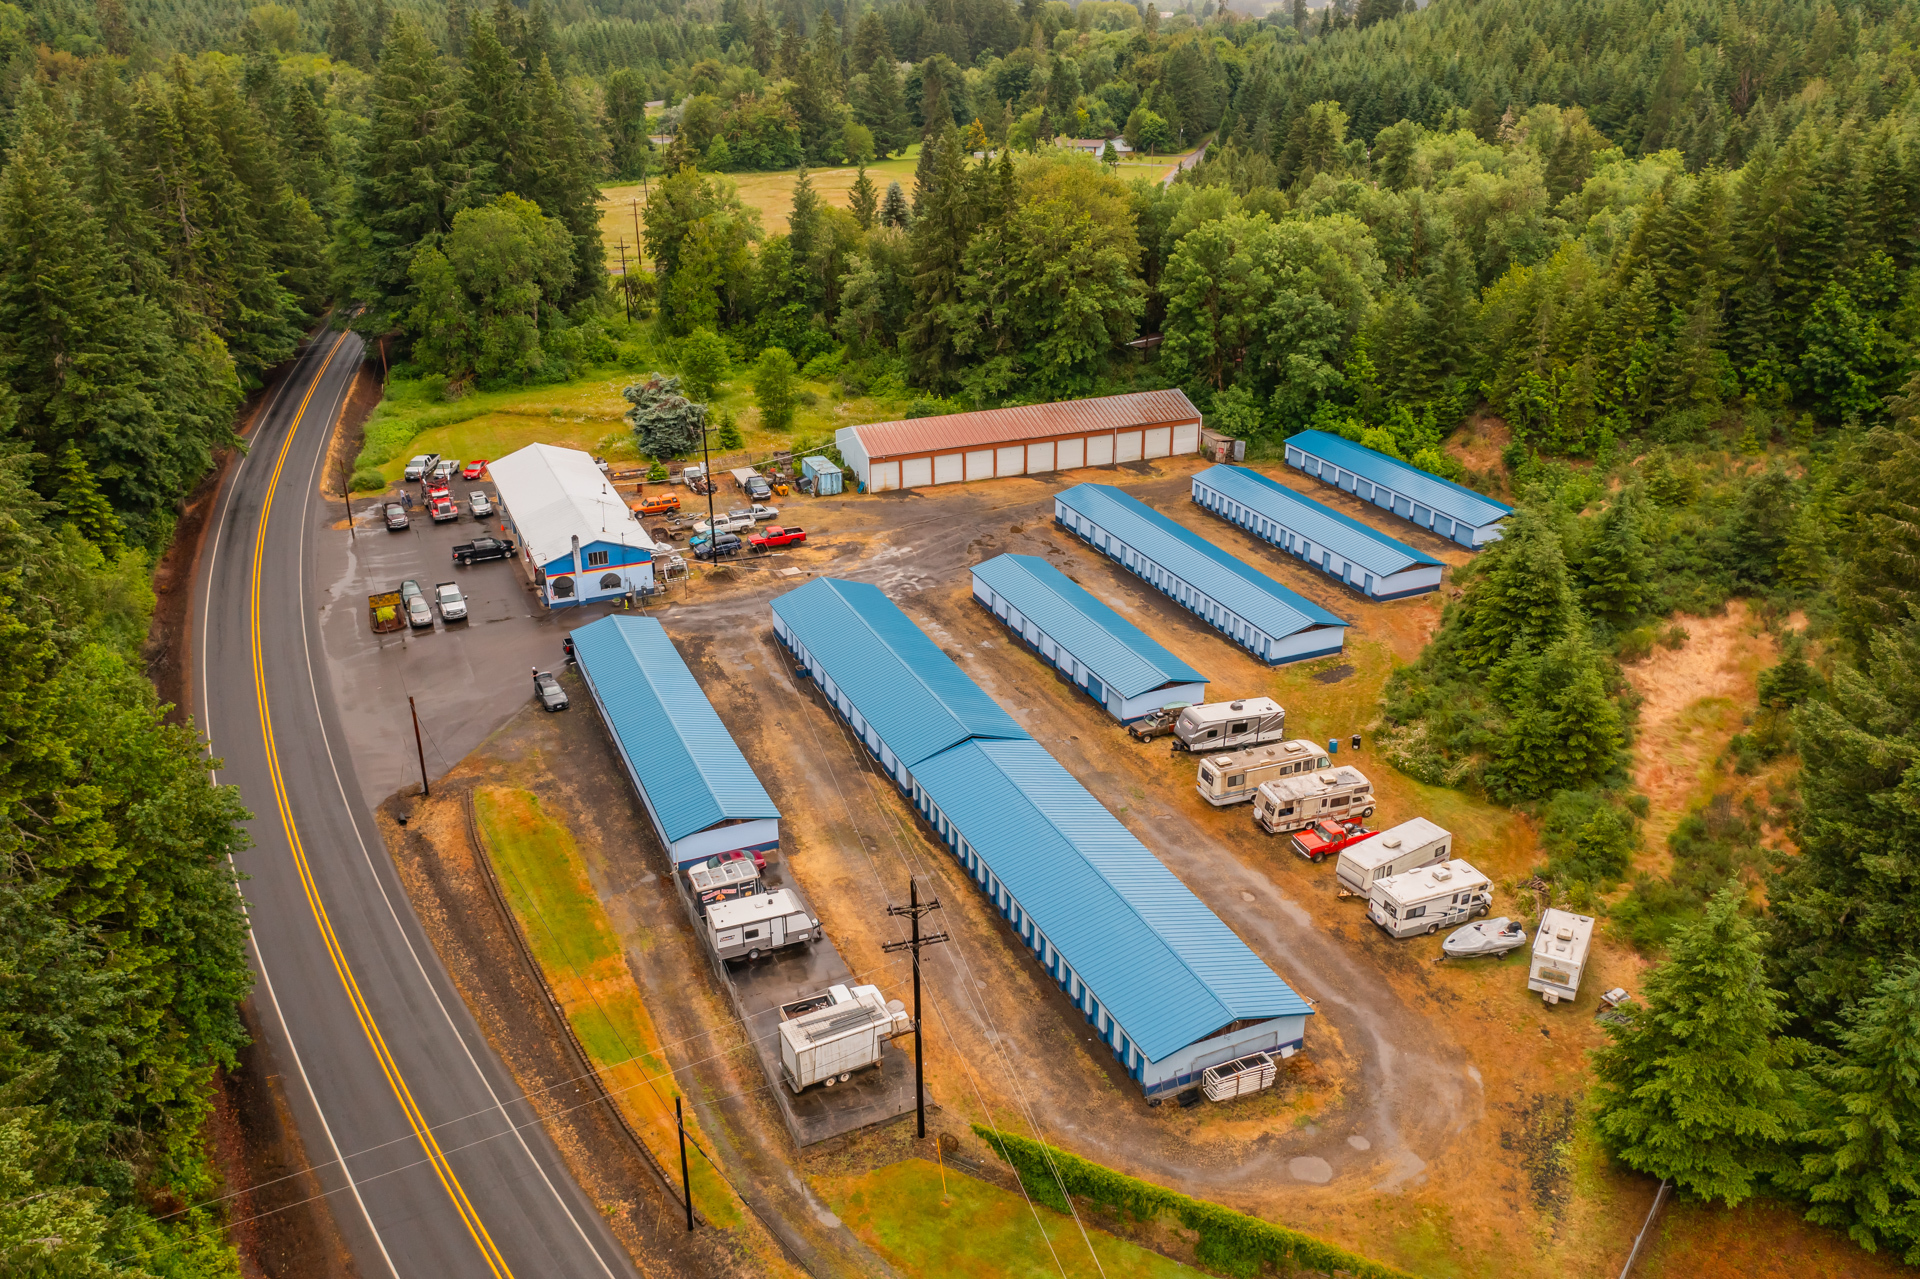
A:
(432, 1165)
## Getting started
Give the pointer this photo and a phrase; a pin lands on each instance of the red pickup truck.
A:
(768, 538)
(1325, 838)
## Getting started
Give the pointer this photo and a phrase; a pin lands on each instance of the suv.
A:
(659, 504)
(419, 464)
(721, 547)
(548, 690)
(483, 548)
(453, 605)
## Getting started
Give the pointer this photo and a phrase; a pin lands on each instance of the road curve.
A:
(431, 1164)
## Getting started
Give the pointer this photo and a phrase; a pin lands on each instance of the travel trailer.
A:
(1219, 726)
(1429, 899)
(824, 1039)
(749, 927)
(1229, 779)
(1289, 803)
(1395, 851)
(1560, 955)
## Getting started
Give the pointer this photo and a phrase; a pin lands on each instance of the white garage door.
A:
(916, 472)
(886, 475)
(1128, 445)
(1013, 460)
(1072, 454)
(1039, 458)
(946, 469)
(1186, 439)
(1159, 441)
(980, 464)
(1099, 450)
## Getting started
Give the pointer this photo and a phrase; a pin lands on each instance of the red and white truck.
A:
(1325, 838)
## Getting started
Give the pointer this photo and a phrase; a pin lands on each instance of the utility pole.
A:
(914, 910)
(626, 293)
(346, 495)
(686, 1182)
(636, 225)
(418, 748)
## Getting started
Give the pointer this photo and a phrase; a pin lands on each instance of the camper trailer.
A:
(1290, 803)
(824, 1039)
(1229, 779)
(1220, 726)
(727, 881)
(749, 927)
(1395, 851)
(1559, 955)
(1429, 899)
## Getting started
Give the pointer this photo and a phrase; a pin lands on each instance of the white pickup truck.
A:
(731, 522)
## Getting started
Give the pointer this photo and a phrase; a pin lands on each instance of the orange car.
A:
(664, 504)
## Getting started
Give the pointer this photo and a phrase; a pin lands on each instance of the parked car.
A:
(726, 544)
(548, 690)
(738, 855)
(419, 464)
(659, 504)
(483, 548)
(1326, 837)
(443, 471)
(767, 539)
(480, 504)
(396, 516)
(443, 509)
(419, 615)
(453, 605)
(474, 469)
(758, 488)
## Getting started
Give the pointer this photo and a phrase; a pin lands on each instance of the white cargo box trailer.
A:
(1429, 899)
(1295, 803)
(749, 927)
(1238, 1077)
(1560, 955)
(1229, 779)
(833, 1038)
(1394, 851)
(1218, 726)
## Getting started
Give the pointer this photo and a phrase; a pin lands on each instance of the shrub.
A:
(703, 362)
(368, 481)
(773, 387)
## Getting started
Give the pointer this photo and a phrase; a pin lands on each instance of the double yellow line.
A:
(441, 1167)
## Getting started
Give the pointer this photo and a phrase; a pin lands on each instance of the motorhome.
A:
(1394, 851)
(824, 1039)
(1429, 899)
(749, 927)
(1559, 955)
(1219, 726)
(1287, 804)
(1230, 779)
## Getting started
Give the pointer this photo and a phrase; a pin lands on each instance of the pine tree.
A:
(881, 105)
(1695, 1087)
(761, 41)
(560, 179)
(1520, 592)
(870, 41)
(893, 210)
(85, 507)
(942, 228)
(802, 219)
(1615, 568)
(346, 42)
(862, 200)
(497, 143)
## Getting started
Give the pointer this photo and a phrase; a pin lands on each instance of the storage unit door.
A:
(1012, 460)
(1099, 450)
(1039, 458)
(1128, 445)
(1071, 454)
(886, 475)
(1159, 441)
(980, 464)
(916, 472)
(947, 468)
(1186, 438)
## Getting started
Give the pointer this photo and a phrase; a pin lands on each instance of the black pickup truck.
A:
(483, 548)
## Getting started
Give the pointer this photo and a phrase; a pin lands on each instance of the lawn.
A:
(546, 885)
(928, 1226)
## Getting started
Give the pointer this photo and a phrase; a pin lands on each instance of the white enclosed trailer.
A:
(1429, 899)
(1218, 726)
(1560, 955)
(1394, 851)
(1229, 779)
(749, 927)
(1239, 1077)
(1294, 803)
(823, 1041)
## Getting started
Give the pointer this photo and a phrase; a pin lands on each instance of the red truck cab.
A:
(1326, 837)
(768, 538)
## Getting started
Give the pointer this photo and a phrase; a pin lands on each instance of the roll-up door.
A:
(1012, 460)
(886, 475)
(1159, 441)
(980, 464)
(1186, 438)
(947, 468)
(916, 472)
(1127, 444)
(1071, 455)
(1039, 458)
(1099, 450)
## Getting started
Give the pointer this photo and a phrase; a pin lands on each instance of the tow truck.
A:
(1326, 837)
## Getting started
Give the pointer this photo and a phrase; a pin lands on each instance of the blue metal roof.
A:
(1322, 525)
(1124, 657)
(910, 691)
(1247, 591)
(1167, 968)
(1450, 499)
(679, 751)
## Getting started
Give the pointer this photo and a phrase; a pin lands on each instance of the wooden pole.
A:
(686, 1182)
(418, 748)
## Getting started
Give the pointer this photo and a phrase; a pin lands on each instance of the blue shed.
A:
(1169, 987)
(1118, 664)
(1449, 509)
(698, 790)
(827, 478)
(1338, 545)
(1255, 611)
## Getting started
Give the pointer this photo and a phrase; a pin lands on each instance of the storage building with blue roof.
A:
(1168, 986)
(1449, 509)
(1338, 545)
(696, 786)
(1275, 624)
(1097, 650)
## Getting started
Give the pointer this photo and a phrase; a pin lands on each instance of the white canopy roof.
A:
(558, 494)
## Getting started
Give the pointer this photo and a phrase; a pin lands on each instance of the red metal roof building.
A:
(1028, 439)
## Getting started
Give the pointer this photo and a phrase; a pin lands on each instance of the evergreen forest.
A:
(1672, 246)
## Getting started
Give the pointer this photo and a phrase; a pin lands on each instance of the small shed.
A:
(1097, 650)
(1256, 612)
(697, 788)
(1338, 545)
(1449, 509)
(576, 534)
(827, 478)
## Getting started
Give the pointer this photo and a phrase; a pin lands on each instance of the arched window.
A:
(610, 581)
(563, 588)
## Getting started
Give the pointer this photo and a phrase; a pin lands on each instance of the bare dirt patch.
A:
(1478, 442)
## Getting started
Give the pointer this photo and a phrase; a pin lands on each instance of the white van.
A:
(1218, 726)
(1429, 899)
(1228, 779)
(1559, 955)
(1295, 803)
(1402, 848)
(749, 927)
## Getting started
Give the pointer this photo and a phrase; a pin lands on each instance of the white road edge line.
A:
(300, 591)
(213, 778)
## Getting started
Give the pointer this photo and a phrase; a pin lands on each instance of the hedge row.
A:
(1230, 1241)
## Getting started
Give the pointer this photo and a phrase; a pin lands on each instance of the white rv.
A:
(1294, 803)
(823, 1040)
(1559, 955)
(749, 927)
(1219, 726)
(1228, 779)
(1391, 852)
(726, 882)
(1429, 899)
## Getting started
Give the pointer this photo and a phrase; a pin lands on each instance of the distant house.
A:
(660, 139)
(575, 532)
(1095, 146)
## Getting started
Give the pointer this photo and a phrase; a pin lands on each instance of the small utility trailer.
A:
(1239, 1077)
(384, 611)
(824, 1039)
